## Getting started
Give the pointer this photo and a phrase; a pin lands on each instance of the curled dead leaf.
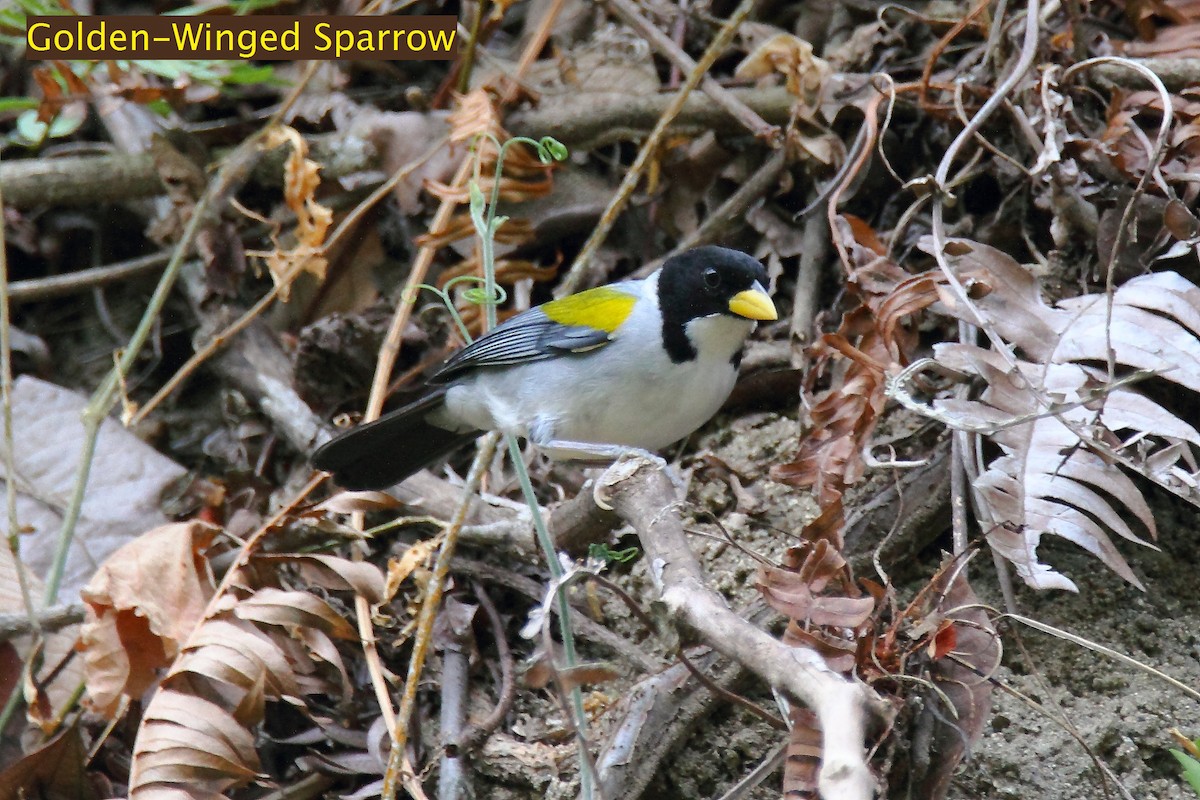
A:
(792, 57)
(141, 606)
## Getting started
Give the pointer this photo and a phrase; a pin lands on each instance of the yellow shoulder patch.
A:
(603, 308)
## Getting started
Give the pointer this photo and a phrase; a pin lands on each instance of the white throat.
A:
(719, 336)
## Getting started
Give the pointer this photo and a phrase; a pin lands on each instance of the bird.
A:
(633, 365)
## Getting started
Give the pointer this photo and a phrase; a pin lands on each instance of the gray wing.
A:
(529, 336)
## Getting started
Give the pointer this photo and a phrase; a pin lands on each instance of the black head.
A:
(705, 282)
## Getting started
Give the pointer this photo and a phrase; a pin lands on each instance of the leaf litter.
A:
(1076, 390)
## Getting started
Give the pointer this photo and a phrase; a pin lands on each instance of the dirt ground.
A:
(1059, 700)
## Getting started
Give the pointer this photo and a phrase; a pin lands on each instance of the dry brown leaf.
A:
(573, 677)
(147, 607)
(474, 115)
(792, 57)
(416, 556)
(803, 765)
(57, 768)
(196, 734)
(334, 573)
(796, 590)
(293, 609)
(788, 594)
(301, 179)
(962, 678)
(210, 648)
(141, 606)
(872, 341)
(366, 502)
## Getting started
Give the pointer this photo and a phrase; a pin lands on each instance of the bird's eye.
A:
(712, 278)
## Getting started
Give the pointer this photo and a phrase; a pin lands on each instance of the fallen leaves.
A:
(156, 621)
(126, 483)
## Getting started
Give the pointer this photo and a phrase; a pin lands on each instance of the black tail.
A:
(384, 452)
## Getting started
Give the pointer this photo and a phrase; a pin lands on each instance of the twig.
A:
(570, 697)
(10, 474)
(644, 497)
(585, 627)
(75, 181)
(1175, 73)
(534, 47)
(577, 714)
(807, 290)
(467, 59)
(452, 775)
(575, 275)
(10, 454)
(47, 619)
(473, 735)
(609, 118)
(867, 135)
(429, 608)
(629, 13)
(35, 289)
(62, 181)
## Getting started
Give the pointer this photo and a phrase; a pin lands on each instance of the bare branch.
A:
(643, 496)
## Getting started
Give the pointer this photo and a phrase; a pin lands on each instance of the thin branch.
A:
(473, 735)
(47, 620)
(574, 277)
(35, 289)
(629, 13)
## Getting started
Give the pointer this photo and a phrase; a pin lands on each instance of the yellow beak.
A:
(753, 304)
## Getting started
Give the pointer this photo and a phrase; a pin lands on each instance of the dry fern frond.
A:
(1060, 421)
(152, 607)
(871, 342)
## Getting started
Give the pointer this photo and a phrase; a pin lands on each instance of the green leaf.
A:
(605, 553)
(556, 149)
(32, 132)
(160, 107)
(252, 73)
(477, 201)
(1191, 769)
